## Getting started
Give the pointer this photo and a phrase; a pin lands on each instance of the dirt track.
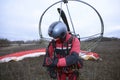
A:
(31, 69)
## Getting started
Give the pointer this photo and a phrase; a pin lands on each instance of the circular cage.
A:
(91, 29)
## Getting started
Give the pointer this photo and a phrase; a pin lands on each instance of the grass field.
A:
(31, 68)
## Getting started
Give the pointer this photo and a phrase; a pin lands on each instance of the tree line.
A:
(6, 42)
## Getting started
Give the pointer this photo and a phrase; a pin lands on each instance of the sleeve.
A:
(73, 57)
(75, 46)
(50, 50)
(48, 56)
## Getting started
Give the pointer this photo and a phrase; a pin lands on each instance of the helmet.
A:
(57, 30)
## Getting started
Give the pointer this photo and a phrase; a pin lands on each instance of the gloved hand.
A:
(49, 62)
(54, 63)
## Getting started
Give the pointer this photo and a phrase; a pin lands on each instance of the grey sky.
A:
(19, 19)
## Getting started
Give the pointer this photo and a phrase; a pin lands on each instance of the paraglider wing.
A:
(85, 55)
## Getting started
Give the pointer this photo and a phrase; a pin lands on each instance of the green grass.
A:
(31, 68)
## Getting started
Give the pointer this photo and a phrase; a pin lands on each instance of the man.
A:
(62, 55)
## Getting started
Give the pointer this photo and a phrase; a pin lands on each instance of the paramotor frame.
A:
(93, 44)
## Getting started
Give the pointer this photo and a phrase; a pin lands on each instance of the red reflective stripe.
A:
(61, 62)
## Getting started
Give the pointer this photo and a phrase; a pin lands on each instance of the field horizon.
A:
(32, 69)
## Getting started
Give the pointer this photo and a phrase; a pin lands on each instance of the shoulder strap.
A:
(54, 47)
(53, 43)
(69, 42)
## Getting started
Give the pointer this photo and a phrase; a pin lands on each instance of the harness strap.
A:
(64, 44)
(54, 47)
(69, 41)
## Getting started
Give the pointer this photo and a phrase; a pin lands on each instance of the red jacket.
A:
(65, 58)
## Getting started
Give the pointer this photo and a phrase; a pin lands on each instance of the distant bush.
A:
(4, 42)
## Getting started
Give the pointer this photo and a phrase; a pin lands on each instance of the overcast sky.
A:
(19, 19)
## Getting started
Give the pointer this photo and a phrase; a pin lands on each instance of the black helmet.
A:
(57, 30)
